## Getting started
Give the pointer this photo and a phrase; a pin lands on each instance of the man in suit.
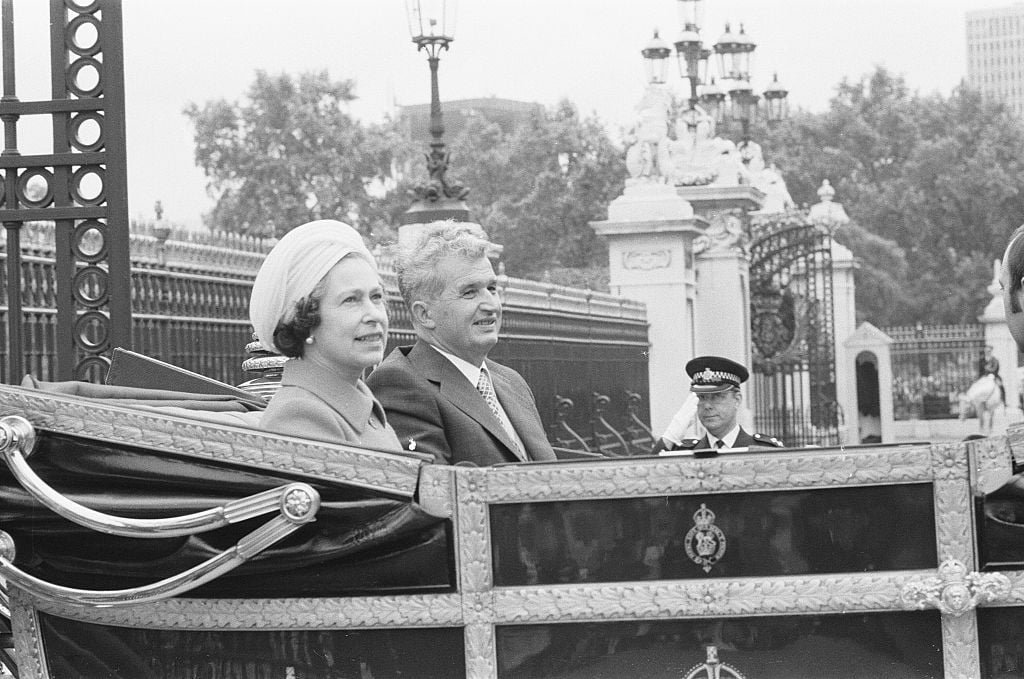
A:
(442, 395)
(716, 383)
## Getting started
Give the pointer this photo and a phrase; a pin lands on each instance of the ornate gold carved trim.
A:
(639, 477)
(952, 498)
(209, 441)
(28, 646)
(422, 610)
(960, 647)
(953, 527)
(480, 654)
(949, 461)
(955, 590)
(748, 596)
(993, 463)
(1015, 596)
(437, 490)
(473, 531)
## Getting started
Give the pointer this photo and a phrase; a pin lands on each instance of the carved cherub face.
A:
(956, 597)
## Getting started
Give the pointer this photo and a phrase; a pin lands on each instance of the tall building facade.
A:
(995, 54)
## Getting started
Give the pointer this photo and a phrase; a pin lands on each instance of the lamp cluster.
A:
(734, 51)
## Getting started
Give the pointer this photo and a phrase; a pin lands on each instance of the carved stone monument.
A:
(650, 232)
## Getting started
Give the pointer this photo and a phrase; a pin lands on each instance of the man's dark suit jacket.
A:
(429, 402)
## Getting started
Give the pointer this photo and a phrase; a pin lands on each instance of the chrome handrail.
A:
(17, 438)
(298, 504)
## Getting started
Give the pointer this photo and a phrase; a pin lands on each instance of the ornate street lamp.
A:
(734, 53)
(712, 99)
(656, 54)
(432, 27)
(691, 54)
(775, 98)
(743, 105)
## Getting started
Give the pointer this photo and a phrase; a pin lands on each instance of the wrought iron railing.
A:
(190, 308)
(931, 366)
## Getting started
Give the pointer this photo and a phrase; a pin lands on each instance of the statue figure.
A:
(777, 198)
(647, 157)
(725, 232)
(699, 158)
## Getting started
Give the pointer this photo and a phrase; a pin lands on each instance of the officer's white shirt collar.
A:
(729, 439)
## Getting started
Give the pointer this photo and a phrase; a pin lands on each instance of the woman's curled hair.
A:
(290, 337)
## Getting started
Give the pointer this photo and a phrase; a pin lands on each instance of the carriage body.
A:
(879, 560)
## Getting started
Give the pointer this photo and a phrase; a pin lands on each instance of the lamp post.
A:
(655, 54)
(734, 52)
(432, 27)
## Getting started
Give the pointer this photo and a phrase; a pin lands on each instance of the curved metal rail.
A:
(17, 438)
(297, 504)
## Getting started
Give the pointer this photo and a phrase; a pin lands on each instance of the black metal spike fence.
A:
(932, 366)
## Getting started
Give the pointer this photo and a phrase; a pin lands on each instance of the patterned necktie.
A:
(486, 389)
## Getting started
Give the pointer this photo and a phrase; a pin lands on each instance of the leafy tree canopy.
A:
(932, 182)
(288, 153)
(534, 189)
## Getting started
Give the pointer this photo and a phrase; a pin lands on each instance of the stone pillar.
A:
(723, 296)
(1004, 347)
(867, 345)
(650, 232)
(722, 268)
(829, 214)
(844, 325)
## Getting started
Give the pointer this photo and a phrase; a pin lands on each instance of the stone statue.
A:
(699, 158)
(776, 194)
(725, 232)
(647, 155)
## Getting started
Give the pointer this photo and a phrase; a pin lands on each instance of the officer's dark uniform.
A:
(708, 375)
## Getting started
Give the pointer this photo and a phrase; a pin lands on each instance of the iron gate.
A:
(793, 381)
(81, 186)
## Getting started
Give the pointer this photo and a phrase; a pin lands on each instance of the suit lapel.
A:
(460, 393)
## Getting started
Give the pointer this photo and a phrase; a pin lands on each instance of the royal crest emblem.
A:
(705, 542)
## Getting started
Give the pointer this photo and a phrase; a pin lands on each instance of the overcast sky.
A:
(534, 50)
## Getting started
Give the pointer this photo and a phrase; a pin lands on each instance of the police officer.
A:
(716, 383)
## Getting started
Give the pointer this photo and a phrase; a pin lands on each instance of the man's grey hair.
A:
(416, 264)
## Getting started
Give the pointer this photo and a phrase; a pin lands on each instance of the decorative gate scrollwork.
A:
(81, 186)
(793, 390)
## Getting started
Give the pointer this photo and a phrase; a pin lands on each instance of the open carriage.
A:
(140, 543)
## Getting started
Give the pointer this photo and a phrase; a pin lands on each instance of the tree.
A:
(535, 189)
(937, 178)
(289, 153)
